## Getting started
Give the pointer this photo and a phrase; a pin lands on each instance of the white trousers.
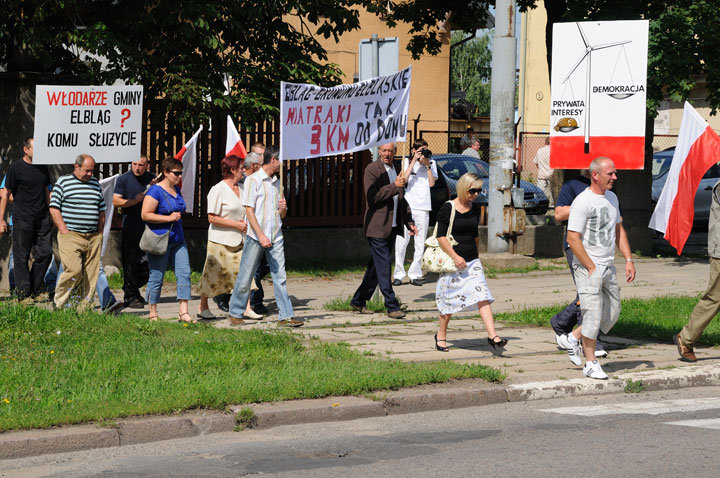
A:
(421, 219)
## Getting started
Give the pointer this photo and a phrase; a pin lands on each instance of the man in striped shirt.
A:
(77, 208)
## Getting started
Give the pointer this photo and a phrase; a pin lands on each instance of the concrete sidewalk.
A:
(534, 365)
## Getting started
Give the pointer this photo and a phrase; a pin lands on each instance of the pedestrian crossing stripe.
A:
(712, 423)
(644, 408)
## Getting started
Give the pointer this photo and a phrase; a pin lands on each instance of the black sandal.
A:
(499, 344)
(440, 348)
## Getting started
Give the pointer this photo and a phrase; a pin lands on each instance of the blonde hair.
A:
(466, 182)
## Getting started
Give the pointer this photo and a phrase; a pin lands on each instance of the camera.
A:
(426, 152)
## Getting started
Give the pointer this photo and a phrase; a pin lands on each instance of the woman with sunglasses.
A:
(162, 210)
(465, 288)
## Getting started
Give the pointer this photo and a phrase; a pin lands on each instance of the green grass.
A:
(64, 367)
(656, 319)
(491, 272)
(376, 304)
(319, 268)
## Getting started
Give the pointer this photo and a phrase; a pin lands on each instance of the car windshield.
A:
(456, 167)
(660, 165)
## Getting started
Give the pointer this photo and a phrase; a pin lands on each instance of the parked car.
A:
(703, 196)
(452, 166)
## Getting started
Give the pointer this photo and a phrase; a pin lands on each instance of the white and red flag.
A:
(233, 144)
(188, 156)
(698, 148)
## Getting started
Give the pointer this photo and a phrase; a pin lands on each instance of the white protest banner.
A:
(316, 121)
(102, 121)
(598, 90)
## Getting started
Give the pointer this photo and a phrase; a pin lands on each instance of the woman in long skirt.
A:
(466, 288)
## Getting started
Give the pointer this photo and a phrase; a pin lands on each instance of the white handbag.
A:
(434, 259)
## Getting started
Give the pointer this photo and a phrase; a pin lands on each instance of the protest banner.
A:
(317, 121)
(102, 121)
(598, 90)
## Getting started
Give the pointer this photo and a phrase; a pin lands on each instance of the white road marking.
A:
(645, 408)
(713, 423)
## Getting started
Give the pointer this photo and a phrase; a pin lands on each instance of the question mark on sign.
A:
(125, 115)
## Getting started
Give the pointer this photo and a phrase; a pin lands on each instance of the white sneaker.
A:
(594, 370)
(563, 342)
(600, 351)
(575, 352)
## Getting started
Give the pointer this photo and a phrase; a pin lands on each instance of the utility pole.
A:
(502, 116)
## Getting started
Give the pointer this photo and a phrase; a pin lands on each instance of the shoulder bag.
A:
(153, 243)
(434, 259)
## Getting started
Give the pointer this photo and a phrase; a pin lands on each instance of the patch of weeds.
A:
(245, 418)
(634, 386)
(376, 397)
(376, 304)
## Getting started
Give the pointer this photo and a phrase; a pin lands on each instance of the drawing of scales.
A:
(569, 124)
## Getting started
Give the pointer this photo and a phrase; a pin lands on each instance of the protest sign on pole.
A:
(598, 90)
(102, 121)
(316, 121)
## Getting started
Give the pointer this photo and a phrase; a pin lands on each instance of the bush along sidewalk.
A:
(67, 367)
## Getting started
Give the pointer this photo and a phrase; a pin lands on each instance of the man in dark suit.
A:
(387, 212)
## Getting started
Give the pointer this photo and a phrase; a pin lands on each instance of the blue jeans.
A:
(176, 258)
(105, 295)
(275, 256)
(11, 272)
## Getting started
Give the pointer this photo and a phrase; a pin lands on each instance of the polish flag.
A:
(698, 148)
(188, 156)
(233, 143)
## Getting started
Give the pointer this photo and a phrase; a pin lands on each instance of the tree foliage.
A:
(471, 70)
(429, 18)
(182, 51)
(683, 42)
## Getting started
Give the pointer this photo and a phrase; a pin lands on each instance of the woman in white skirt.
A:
(226, 215)
(466, 288)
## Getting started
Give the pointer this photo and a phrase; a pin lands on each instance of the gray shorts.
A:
(599, 299)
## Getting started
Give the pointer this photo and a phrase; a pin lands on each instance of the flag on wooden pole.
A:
(233, 143)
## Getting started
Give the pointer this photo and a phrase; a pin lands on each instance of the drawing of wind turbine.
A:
(588, 82)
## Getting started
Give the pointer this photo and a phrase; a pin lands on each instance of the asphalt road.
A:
(628, 435)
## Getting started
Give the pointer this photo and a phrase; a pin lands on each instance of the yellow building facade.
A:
(430, 74)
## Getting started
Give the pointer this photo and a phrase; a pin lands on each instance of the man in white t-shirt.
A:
(594, 229)
(420, 172)
(472, 149)
(545, 172)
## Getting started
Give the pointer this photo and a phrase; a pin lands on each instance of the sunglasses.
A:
(176, 173)
(474, 190)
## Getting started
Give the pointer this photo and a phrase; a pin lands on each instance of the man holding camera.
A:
(420, 173)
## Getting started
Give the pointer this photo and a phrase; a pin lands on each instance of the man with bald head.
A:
(386, 217)
(77, 208)
(594, 230)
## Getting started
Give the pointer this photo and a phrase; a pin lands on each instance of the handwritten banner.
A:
(318, 121)
(102, 121)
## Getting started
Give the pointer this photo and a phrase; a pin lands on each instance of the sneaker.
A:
(575, 352)
(600, 351)
(397, 282)
(563, 341)
(361, 309)
(292, 322)
(594, 370)
(114, 308)
(135, 304)
(221, 304)
(396, 314)
(260, 309)
(687, 354)
(417, 282)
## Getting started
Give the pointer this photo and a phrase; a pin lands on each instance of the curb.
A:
(268, 415)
